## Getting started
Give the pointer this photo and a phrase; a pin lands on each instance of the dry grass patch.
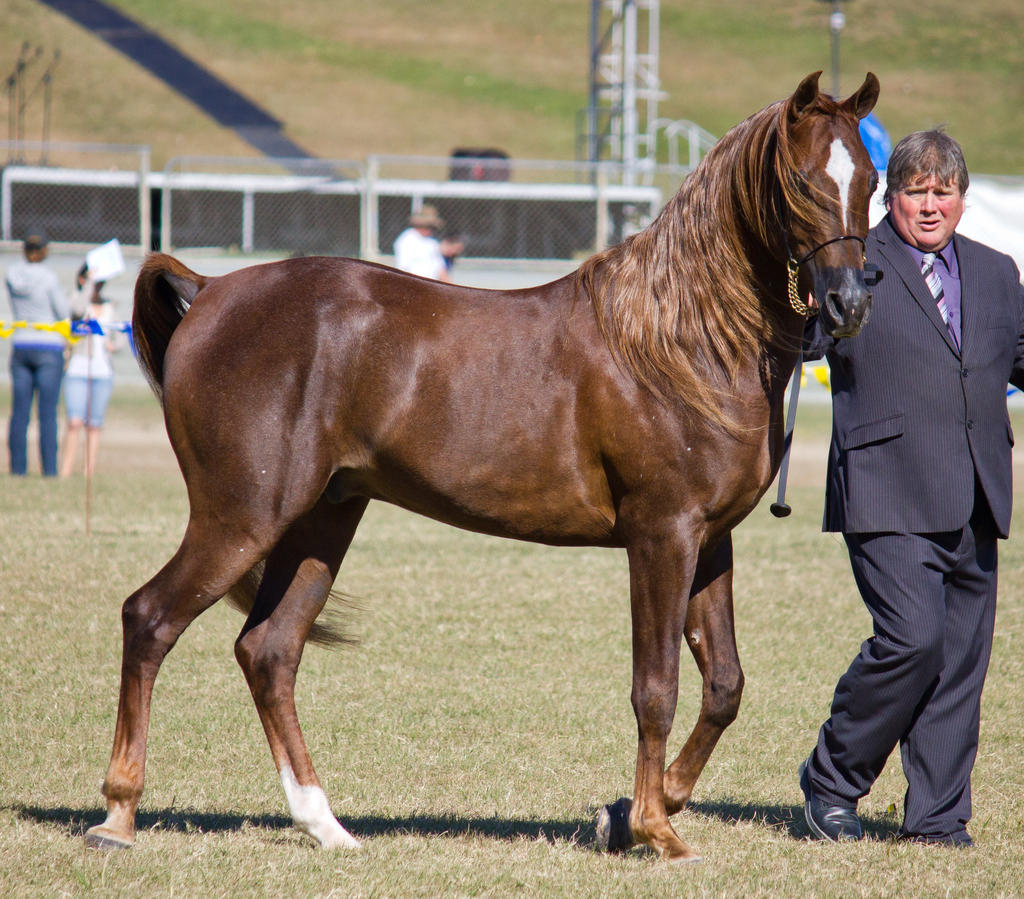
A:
(398, 76)
(472, 732)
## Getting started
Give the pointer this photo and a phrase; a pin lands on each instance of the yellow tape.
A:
(62, 327)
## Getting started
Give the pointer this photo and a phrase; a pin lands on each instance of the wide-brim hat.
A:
(426, 217)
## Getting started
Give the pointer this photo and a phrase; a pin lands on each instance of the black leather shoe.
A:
(834, 823)
(959, 840)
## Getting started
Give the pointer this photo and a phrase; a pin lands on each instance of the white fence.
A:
(76, 191)
(503, 209)
(521, 209)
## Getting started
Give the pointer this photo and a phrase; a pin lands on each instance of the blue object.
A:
(876, 139)
(86, 326)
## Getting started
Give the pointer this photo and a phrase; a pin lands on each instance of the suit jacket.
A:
(915, 422)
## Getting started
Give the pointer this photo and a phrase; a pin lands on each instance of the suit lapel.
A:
(900, 262)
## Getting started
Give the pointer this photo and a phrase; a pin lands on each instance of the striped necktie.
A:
(934, 282)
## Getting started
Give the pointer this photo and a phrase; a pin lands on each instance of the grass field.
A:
(402, 76)
(470, 734)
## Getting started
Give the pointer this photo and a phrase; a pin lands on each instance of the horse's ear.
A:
(804, 96)
(864, 100)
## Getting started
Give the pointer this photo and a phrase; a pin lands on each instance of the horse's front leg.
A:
(661, 572)
(711, 636)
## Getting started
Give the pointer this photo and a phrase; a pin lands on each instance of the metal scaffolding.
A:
(619, 123)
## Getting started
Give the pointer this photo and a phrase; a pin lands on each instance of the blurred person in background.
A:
(417, 249)
(452, 247)
(89, 379)
(37, 356)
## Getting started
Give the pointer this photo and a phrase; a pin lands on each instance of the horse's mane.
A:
(678, 303)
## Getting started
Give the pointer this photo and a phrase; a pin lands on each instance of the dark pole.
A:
(595, 52)
(836, 23)
(12, 81)
(12, 98)
(22, 101)
(48, 104)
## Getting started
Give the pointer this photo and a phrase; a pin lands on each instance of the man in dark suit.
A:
(919, 483)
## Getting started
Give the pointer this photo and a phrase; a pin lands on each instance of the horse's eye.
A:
(873, 180)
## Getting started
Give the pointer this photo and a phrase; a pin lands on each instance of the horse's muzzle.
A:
(844, 300)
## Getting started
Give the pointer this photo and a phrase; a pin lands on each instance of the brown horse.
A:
(636, 403)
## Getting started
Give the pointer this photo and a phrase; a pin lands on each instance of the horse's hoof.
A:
(688, 858)
(613, 833)
(100, 838)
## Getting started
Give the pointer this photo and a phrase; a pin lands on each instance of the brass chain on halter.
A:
(798, 305)
(793, 270)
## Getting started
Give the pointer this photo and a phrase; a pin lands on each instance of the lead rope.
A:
(779, 508)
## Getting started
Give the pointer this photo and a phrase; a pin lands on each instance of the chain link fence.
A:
(295, 206)
(501, 209)
(83, 194)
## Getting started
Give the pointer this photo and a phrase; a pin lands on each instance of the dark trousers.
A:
(918, 680)
(34, 371)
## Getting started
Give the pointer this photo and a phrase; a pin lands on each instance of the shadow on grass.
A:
(788, 818)
(75, 822)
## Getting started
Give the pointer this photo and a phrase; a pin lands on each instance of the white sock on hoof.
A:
(312, 814)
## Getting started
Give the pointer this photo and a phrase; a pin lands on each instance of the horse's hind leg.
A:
(710, 634)
(203, 569)
(296, 582)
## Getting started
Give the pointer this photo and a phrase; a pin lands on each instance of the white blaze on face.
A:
(312, 814)
(840, 169)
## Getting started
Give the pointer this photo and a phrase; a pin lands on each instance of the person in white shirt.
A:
(89, 380)
(417, 249)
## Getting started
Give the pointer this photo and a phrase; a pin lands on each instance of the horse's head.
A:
(827, 179)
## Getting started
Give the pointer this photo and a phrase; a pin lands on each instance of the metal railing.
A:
(677, 131)
(77, 191)
(502, 209)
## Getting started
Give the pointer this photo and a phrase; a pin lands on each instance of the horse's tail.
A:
(163, 293)
(327, 630)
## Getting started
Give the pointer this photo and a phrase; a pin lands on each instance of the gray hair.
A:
(922, 154)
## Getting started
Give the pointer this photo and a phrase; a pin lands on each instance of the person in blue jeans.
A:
(37, 356)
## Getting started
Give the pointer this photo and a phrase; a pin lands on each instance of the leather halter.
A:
(793, 268)
(793, 264)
